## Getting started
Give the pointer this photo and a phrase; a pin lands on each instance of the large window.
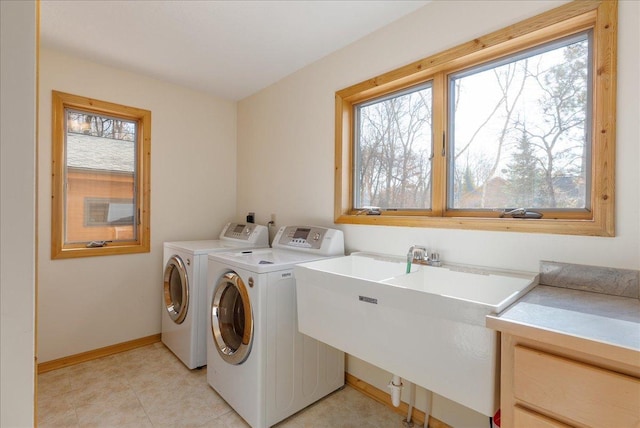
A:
(101, 155)
(500, 123)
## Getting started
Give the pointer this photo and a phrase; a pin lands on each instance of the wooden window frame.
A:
(572, 18)
(141, 243)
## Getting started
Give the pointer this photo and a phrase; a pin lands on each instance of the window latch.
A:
(520, 213)
(369, 211)
(97, 244)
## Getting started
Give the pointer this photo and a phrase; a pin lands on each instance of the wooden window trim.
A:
(60, 250)
(601, 15)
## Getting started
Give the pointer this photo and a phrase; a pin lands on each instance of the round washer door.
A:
(232, 319)
(176, 289)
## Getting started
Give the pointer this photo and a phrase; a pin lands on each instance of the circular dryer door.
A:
(176, 289)
(232, 319)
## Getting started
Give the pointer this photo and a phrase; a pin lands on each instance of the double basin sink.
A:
(426, 326)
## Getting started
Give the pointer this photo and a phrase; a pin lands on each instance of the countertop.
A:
(566, 315)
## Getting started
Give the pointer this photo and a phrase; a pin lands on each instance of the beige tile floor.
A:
(150, 387)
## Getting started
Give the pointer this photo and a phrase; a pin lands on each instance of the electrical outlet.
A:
(273, 218)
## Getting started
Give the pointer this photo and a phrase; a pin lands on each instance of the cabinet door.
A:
(579, 392)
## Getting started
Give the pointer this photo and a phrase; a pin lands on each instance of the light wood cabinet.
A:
(549, 385)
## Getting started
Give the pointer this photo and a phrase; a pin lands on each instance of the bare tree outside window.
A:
(393, 160)
(518, 136)
(100, 126)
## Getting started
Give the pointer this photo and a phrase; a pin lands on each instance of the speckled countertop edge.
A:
(612, 320)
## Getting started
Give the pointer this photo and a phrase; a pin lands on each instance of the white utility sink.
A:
(493, 290)
(369, 266)
(427, 326)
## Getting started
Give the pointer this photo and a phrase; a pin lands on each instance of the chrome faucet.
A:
(418, 254)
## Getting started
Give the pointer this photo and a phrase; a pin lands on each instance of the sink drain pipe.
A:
(395, 387)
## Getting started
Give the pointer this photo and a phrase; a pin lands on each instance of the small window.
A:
(101, 155)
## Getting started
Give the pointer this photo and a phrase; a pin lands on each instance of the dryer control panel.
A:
(314, 239)
(249, 232)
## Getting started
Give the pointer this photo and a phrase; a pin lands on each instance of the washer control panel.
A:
(303, 237)
(314, 239)
(249, 232)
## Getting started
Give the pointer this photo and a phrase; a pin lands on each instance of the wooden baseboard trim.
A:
(97, 353)
(383, 397)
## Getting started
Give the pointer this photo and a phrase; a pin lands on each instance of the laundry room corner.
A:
(92, 302)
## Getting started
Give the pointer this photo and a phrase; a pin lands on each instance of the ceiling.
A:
(230, 49)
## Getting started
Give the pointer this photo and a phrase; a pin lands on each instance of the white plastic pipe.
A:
(427, 408)
(395, 387)
(412, 401)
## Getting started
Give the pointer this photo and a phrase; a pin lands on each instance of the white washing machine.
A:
(184, 304)
(257, 360)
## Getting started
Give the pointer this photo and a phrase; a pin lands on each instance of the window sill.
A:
(71, 252)
(551, 226)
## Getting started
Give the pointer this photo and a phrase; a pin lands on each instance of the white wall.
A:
(17, 211)
(88, 303)
(286, 152)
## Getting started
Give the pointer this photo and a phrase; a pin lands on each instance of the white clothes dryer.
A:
(184, 304)
(257, 360)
